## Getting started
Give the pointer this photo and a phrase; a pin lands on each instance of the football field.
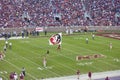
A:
(29, 53)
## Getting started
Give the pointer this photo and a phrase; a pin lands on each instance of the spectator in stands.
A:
(57, 13)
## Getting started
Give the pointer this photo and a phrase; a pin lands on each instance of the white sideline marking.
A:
(20, 37)
(85, 76)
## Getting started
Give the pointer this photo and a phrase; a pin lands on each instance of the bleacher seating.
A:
(20, 13)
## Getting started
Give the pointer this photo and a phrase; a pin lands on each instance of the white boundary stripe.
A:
(85, 76)
(20, 37)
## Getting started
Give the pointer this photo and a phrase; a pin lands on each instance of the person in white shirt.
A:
(110, 45)
(6, 43)
(86, 40)
(15, 76)
(10, 45)
(44, 62)
(5, 48)
(93, 36)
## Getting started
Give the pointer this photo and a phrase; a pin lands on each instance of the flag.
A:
(55, 39)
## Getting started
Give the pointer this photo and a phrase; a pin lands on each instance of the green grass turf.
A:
(29, 53)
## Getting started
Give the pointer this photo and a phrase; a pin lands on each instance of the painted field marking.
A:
(44, 68)
(36, 64)
(2, 74)
(94, 52)
(116, 60)
(85, 63)
(58, 63)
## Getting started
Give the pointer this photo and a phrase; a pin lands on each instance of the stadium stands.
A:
(19, 13)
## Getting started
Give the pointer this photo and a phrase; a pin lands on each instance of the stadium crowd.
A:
(19, 13)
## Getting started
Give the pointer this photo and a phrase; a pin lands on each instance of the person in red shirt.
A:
(90, 75)
(107, 78)
(59, 47)
(78, 74)
(11, 76)
(48, 52)
(21, 76)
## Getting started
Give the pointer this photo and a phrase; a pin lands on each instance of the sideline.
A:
(85, 76)
(20, 37)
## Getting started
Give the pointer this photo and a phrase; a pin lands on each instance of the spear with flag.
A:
(56, 39)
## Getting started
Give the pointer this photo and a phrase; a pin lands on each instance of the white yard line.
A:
(20, 69)
(37, 64)
(95, 52)
(2, 75)
(73, 77)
